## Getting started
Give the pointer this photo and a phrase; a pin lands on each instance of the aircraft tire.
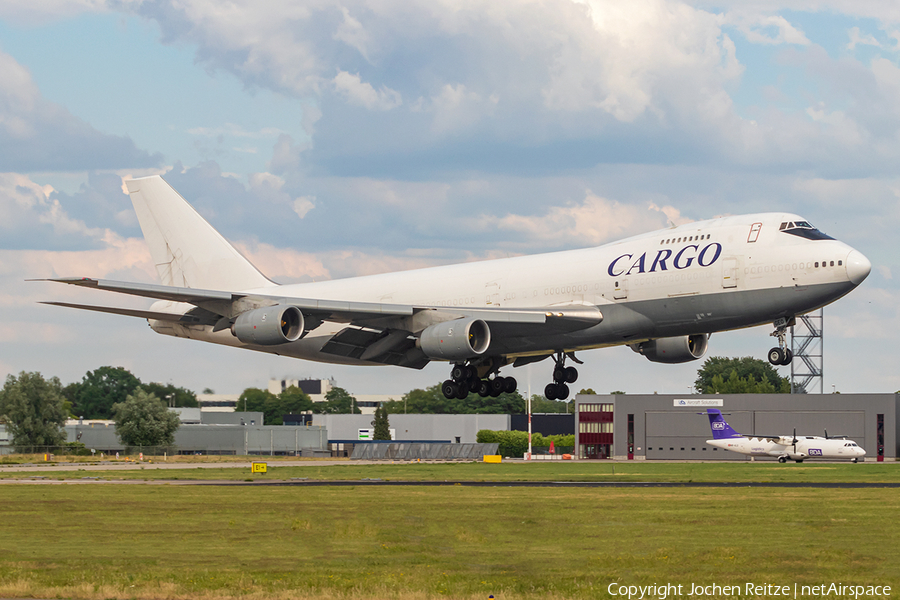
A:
(484, 388)
(474, 384)
(782, 459)
(776, 356)
(459, 373)
(559, 374)
(449, 389)
(498, 385)
(571, 374)
(550, 391)
(788, 357)
(463, 392)
(511, 385)
(562, 391)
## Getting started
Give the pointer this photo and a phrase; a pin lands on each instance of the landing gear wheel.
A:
(562, 391)
(782, 459)
(449, 389)
(511, 385)
(776, 356)
(571, 374)
(462, 391)
(498, 384)
(559, 374)
(484, 388)
(788, 357)
(550, 391)
(459, 373)
(799, 460)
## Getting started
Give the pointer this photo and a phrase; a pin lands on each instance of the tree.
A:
(143, 420)
(381, 425)
(539, 404)
(171, 395)
(94, 397)
(33, 408)
(264, 401)
(293, 400)
(432, 401)
(588, 391)
(759, 377)
(338, 401)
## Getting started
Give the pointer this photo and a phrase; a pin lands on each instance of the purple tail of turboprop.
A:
(720, 428)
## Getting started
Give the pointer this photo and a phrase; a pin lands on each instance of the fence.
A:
(426, 451)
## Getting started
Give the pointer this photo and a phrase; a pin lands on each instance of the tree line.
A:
(35, 409)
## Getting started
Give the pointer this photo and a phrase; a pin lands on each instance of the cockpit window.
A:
(803, 229)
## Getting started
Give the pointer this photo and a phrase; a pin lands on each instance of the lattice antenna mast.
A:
(807, 343)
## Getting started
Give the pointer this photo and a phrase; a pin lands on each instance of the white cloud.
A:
(594, 221)
(352, 33)
(361, 93)
(284, 264)
(766, 29)
(861, 40)
(303, 205)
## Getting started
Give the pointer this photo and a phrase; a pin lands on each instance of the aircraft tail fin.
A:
(720, 427)
(188, 251)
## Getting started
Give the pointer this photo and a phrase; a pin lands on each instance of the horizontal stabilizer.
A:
(203, 318)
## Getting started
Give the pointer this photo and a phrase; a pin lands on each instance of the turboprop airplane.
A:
(783, 447)
(661, 293)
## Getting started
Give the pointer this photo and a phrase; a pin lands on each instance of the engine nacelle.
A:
(459, 339)
(269, 326)
(674, 349)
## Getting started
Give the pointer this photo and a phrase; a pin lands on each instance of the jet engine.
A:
(269, 326)
(680, 349)
(459, 339)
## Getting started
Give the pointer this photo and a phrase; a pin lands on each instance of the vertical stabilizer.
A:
(187, 251)
(720, 428)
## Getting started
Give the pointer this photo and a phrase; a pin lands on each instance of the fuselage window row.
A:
(690, 238)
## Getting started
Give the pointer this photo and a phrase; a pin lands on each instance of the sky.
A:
(328, 139)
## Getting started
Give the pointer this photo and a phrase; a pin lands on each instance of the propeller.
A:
(794, 441)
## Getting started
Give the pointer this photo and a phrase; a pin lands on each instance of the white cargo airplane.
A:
(661, 293)
(783, 447)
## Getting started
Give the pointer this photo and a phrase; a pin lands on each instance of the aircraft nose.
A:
(858, 267)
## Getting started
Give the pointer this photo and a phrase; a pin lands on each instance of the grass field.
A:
(171, 541)
(767, 472)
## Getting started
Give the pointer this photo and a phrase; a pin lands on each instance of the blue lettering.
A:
(700, 260)
(661, 260)
(683, 260)
(638, 263)
(689, 260)
(612, 265)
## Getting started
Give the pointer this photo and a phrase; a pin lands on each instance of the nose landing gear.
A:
(781, 355)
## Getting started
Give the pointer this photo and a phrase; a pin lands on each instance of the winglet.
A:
(720, 428)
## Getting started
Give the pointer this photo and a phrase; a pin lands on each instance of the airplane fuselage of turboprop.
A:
(784, 448)
(699, 278)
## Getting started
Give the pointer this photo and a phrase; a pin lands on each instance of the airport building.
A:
(675, 427)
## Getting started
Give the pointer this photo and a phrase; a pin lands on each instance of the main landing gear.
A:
(558, 390)
(465, 379)
(781, 355)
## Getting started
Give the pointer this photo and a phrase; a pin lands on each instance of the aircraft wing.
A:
(378, 317)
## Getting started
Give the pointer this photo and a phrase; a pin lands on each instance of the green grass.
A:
(808, 472)
(167, 541)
